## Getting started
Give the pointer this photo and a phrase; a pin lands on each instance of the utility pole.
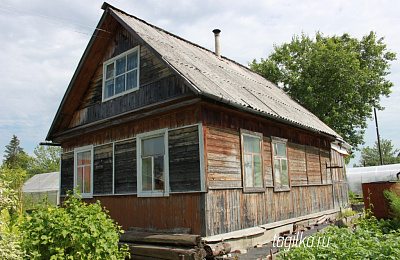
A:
(379, 139)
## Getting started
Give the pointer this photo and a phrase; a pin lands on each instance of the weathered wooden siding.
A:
(231, 209)
(228, 208)
(325, 161)
(267, 157)
(313, 165)
(297, 160)
(175, 211)
(125, 167)
(224, 118)
(223, 158)
(184, 159)
(67, 172)
(118, 160)
(157, 84)
(175, 118)
(103, 169)
(339, 179)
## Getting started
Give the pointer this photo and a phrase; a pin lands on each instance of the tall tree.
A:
(46, 159)
(15, 157)
(339, 78)
(370, 156)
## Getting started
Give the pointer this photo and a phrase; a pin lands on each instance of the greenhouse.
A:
(357, 176)
(41, 185)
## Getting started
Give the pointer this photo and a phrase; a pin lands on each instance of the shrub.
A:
(371, 239)
(394, 200)
(10, 237)
(76, 231)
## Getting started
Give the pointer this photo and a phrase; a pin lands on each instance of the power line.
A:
(50, 18)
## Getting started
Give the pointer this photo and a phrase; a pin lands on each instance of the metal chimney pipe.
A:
(217, 46)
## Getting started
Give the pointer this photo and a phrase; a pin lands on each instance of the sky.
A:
(42, 42)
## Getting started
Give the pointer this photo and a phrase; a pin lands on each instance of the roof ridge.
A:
(107, 5)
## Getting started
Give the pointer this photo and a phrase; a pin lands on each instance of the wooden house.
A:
(167, 134)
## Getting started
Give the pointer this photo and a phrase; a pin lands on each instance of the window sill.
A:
(287, 189)
(152, 194)
(253, 189)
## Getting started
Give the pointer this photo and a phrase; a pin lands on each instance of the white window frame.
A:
(113, 60)
(275, 140)
(80, 150)
(153, 193)
(256, 135)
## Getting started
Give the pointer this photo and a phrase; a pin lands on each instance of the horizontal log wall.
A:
(165, 213)
(125, 176)
(184, 159)
(67, 172)
(103, 169)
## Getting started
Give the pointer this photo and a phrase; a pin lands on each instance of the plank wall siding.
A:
(156, 84)
(228, 208)
(164, 213)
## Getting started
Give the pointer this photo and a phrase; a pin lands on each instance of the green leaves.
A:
(76, 231)
(370, 240)
(338, 78)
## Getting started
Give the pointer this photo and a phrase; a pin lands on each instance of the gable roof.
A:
(218, 78)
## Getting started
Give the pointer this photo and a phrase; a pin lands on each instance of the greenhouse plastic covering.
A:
(358, 175)
(43, 182)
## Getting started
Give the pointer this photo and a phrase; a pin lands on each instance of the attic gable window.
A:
(280, 164)
(121, 74)
(252, 169)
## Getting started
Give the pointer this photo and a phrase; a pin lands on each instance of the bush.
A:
(371, 239)
(76, 231)
(394, 201)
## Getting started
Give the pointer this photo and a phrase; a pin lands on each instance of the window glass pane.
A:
(87, 182)
(147, 180)
(110, 71)
(248, 170)
(285, 175)
(131, 80)
(153, 146)
(84, 158)
(257, 171)
(251, 144)
(121, 64)
(280, 149)
(109, 91)
(119, 84)
(79, 179)
(159, 173)
(132, 61)
(278, 174)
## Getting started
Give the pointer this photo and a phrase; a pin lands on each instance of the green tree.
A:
(15, 157)
(371, 155)
(46, 159)
(338, 78)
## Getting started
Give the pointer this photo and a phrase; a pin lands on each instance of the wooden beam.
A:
(166, 239)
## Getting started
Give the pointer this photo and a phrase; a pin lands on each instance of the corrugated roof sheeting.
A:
(223, 78)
